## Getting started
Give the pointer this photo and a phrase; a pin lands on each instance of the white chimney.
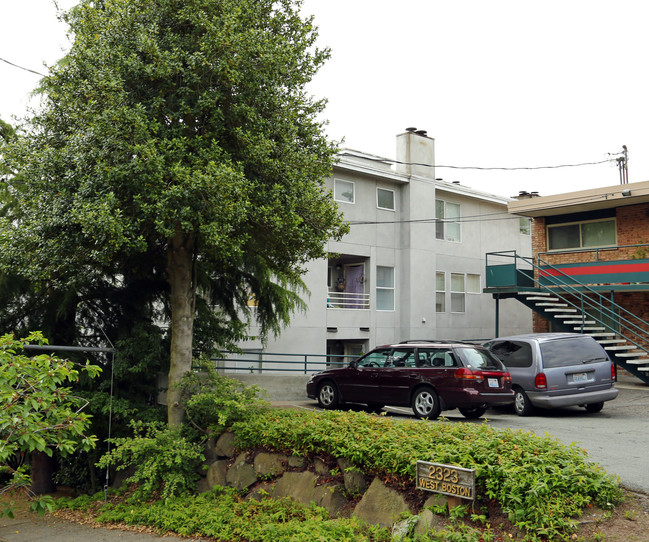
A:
(416, 153)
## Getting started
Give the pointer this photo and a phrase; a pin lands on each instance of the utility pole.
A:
(623, 165)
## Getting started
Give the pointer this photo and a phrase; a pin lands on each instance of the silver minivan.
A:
(555, 370)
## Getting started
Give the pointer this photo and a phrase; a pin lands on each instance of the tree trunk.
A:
(180, 267)
(42, 471)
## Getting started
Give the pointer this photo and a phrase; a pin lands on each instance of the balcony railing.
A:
(347, 300)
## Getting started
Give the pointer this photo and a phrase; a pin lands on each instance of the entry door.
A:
(354, 285)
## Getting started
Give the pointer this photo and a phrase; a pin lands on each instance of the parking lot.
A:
(617, 437)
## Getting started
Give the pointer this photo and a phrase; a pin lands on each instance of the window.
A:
(343, 191)
(384, 288)
(473, 284)
(512, 353)
(376, 358)
(435, 357)
(525, 225)
(595, 233)
(457, 293)
(447, 225)
(385, 199)
(440, 292)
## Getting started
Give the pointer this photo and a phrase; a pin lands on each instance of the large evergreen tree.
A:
(179, 131)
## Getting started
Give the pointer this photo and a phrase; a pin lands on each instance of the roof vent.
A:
(421, 132)
(411, 129)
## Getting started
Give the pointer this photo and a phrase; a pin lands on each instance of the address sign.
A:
(446, 479)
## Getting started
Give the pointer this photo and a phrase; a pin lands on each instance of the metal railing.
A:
(598, 250)
(612, 317)
(347, 300)
(261, 362)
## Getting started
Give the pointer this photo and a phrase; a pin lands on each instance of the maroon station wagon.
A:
(427, 376)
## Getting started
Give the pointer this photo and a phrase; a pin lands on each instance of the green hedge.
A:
(540, 483)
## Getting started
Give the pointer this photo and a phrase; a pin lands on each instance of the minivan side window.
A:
(512, 353)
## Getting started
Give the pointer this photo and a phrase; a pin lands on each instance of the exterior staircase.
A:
(625, 352)
(576, 308)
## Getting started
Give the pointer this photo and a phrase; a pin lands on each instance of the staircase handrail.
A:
(579, 292)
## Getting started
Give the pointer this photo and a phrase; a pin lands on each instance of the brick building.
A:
(590, 268)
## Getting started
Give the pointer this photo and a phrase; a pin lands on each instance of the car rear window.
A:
(478, 358)
(512, 353)
(572, 351)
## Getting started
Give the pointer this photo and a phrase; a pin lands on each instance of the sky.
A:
(497, 84)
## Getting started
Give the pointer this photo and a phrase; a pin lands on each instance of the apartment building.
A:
(413, 263)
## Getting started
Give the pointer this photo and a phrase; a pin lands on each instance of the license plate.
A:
(580, 377)
(493, 382)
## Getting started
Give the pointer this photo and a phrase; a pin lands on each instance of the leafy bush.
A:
(540, 483)
(163, 461)
(39, 411)
(224, 515)
(214, 402)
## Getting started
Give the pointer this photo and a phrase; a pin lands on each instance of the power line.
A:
(481, 168)
(20, 67)
(464, 219)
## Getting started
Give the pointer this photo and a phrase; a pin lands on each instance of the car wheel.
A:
(328, 395)
(425, 404)
(473, 413)
(522, 403)
(594, 407)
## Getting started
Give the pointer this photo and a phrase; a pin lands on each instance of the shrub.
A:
(540, 483)
(214, 402)
(163, 461)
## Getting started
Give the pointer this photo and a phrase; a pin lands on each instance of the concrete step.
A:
(601, 334)
(564, 315)
(640, 361)
(540, 298)
(611, 341)
(588, 328)
(551, 304)
(620, 348)
(631, 355)
(585, 322)
(573, 311)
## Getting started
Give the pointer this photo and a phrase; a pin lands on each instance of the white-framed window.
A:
(587, 234)
(344, 191)
(440, 291)
(525, 225)
(385, 199)
(384, 288)
(447, 225)
(473, 284)
(458, 293)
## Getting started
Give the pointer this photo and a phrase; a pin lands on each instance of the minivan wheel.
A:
(594, 407)
(473, 413)
(425, 404)
(522, 403)
(328, 395)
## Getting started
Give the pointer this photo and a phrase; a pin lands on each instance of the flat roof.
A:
(606, 197)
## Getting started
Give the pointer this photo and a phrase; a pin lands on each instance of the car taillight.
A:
(507, 377)
(468, 374)
(612, 372)
(541, 382)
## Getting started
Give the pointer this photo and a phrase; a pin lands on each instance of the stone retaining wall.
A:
(342, 489)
